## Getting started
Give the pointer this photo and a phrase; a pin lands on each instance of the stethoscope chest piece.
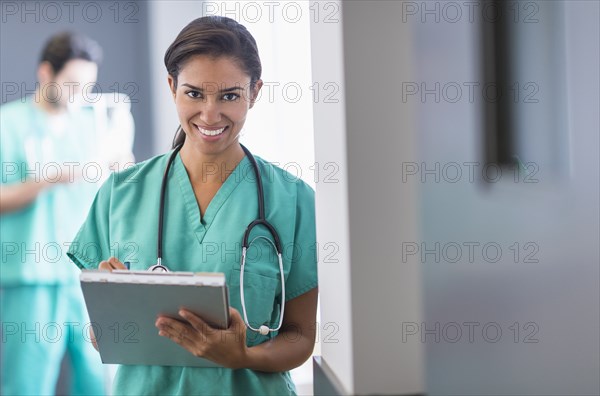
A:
(158, 268)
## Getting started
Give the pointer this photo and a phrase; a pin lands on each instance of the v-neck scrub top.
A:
(123, 222)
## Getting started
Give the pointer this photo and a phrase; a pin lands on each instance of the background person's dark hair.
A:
(63, 47)
(215, 36)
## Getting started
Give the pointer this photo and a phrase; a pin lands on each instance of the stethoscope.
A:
(261, 220)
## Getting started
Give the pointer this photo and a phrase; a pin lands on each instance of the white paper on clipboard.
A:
(124, 305)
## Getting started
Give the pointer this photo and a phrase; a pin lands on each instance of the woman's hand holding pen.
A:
(112, 263)
(225, 347)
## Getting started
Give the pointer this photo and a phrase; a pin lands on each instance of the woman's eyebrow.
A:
(231, 89)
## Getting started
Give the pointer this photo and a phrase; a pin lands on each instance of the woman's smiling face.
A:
(212, 97)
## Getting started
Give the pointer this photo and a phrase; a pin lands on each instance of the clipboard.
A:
(124, 305)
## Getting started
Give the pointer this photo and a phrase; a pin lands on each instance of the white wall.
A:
(166, 19)
(332, 203)
(368, 293)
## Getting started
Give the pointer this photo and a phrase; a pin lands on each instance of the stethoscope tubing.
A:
(261, 220)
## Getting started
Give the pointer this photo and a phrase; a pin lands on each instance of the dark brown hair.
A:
(65, 46)
(215, 36)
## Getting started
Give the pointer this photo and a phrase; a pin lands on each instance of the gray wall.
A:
(550, 291)
(120, 28)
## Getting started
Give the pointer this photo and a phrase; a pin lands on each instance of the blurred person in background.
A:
(53, 158)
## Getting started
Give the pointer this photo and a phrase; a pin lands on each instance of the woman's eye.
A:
(230, 97)
(194, 94)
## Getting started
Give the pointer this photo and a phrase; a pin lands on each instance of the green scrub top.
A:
(36, 237)
(123, 222)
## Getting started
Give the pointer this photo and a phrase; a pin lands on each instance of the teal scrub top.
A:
(123, 222)
(36, 237)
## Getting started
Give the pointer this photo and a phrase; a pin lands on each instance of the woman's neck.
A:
(212, 169)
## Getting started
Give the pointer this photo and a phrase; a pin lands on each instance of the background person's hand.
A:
(55, 174)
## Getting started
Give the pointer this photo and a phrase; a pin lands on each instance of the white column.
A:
(372, 291)
(166, 19)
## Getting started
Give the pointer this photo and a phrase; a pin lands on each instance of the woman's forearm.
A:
(286, 351)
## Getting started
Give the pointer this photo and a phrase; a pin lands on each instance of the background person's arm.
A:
(16, 196)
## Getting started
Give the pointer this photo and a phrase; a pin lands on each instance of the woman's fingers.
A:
(195, 327)
(93, 338)
(236, 318)
(177, 331)
(196, 322)
(226, 347)
(112, 263)
(116, 263)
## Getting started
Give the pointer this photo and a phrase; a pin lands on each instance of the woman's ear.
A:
(254, 92)
(172, 85)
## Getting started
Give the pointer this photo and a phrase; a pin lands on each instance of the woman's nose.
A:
(210, 112)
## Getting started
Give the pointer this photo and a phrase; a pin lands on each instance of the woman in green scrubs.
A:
(214, 75)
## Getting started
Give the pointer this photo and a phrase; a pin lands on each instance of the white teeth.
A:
(211, 133)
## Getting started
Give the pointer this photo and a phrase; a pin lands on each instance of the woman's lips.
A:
(211, 131)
